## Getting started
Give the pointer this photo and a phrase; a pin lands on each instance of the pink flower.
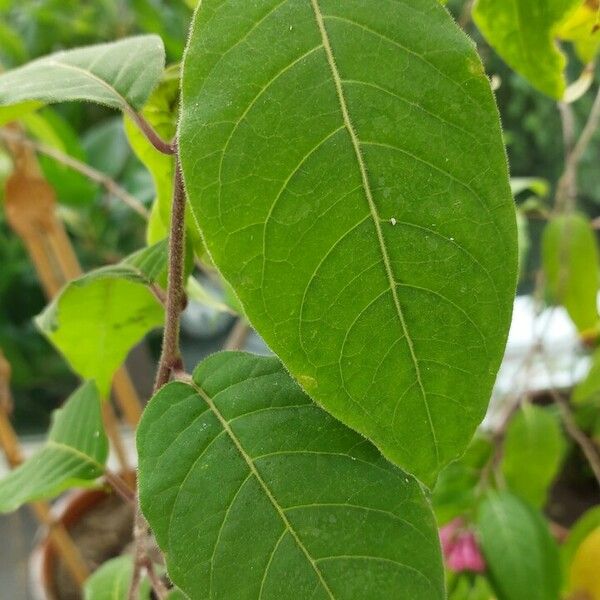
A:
(460, 548)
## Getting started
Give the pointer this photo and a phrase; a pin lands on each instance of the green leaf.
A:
(522, 32)
(533, 452)
(572, 268)
(112, 580)
(120, 74)
(521, 554)
(14, 112)
(304, 508)
(99, 317)
(74, 454)
(350, 183)
(589, 387)
(456, 493)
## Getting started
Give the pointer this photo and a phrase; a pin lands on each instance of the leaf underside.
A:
(305, 508)
(349, 180)
(74, 454)
(119, 74)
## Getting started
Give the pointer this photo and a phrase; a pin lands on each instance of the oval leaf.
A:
(533, 451)
(522, 557)
(350, 183)
(304, 507)
(120, 74)
(522, 32)
(74, 454)
(572, 268)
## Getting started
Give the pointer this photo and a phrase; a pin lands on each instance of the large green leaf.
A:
(120, 74)
(74, 454)
(522, 32)
(98, 318)
(522, 557)
(572, 268)
(255, 492)
(350, 183)
(112, 580)
(533, 452)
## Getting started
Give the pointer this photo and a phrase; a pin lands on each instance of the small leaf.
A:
(304, 507)
(521, 555)
(112, 580)
(350, 183)
(522, 32)
(120, 75)
(98, 318)
(572, 268)
(533, 452)
(74, 454)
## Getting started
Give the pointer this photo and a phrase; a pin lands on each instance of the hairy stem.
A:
(151, 135)
(170, 359)
(170, 363)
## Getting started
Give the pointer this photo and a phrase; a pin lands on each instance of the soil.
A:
(101, 533)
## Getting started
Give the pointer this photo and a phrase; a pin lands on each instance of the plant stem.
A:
(587, 446)
(170, 358)
(170, 362)
(151, 135)
(111, 186)
(567, 185)
(119, 486)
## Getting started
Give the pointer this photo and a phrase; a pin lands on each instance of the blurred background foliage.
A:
(103, 230)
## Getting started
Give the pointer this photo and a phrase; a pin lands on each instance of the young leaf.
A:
(304, 507)
(533, 451)
(522, 32)
(521, 555)
(119, 74)
(74, 454)
(99, 317)
(112, 580)
(572, 268)
(350, 184)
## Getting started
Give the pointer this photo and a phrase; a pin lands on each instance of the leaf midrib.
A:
(373, 209)
(263, 484)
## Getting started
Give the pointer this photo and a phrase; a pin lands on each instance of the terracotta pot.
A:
(69, 510)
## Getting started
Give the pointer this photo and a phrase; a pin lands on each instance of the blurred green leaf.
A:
(112, 580)
(522, 33)
(455, 492)
(571, 264)
(522, 556)
(589, 387)
(119, 74)
(534, 449)
(98, 318)
(74, 454)
(15, 112)
(48, 127)
(540, 187)
(106, 147)
(584, 574)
